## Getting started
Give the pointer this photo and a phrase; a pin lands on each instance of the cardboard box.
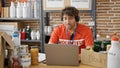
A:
(5, 12)
(9, 27)
(94, 58)
(4, 37)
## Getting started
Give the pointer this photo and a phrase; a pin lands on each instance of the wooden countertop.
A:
(41, 65)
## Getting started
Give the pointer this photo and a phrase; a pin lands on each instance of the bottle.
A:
(114, 53)
(28, 33)
(18, 10)
(22, 4)
(38, 35)
(23, 34)
(25, 10)
(31, 9)
(36, 9)
(12, 10)
(6, 58)
(15, 62)
(106, 42)
(33, 35)
(16, 37)
(28, 9)
(97, 44)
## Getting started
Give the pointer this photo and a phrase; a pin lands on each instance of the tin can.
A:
(23, 49)
(25, 60)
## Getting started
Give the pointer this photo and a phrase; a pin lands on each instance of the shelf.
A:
(19, 19)
(61, 10)
(37, 41)
(47, 34)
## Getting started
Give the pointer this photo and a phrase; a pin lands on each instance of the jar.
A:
(34, 55)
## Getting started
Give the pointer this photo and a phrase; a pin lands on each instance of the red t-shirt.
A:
(82, 36)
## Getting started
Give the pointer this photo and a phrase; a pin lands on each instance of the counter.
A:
(41, 65)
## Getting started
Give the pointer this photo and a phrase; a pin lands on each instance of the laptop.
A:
(58, 54)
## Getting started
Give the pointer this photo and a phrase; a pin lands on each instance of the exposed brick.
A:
(116, 21)
(105, 3)
(101, 11)
(102, 0)
(105, 14)
(103, 20)
(116, 8)
(81, 14)
(115, 18)
(118, 14)
(103, 8)
(118, 2)
(114, 11)
(86, 14)
(102, 17)
(115, 0)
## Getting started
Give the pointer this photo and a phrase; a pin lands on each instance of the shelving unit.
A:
(20, 19)
(41, 29)
(45, 13)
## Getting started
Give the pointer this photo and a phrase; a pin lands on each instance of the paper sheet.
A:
(41, 57)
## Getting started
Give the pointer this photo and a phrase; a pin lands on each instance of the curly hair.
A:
(71, 11)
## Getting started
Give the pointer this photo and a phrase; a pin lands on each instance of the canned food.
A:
(16, 50)
(25, 60)
(23, 49)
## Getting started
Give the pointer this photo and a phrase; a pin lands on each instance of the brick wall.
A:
(108, 16)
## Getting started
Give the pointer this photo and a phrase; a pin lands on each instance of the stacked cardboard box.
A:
(4, 38)
(94, 58)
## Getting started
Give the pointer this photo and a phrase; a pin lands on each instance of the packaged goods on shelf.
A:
(5, 12)
(8, 27)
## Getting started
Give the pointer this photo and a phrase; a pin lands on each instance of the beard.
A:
(68, 27)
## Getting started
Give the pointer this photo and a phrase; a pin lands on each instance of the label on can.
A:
(23, 49)
(25, 60)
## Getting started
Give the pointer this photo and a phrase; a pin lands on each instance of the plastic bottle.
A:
(22, 4)
(12, 10)
(15, 62)
(35, 9)
(28, 33)
(18, 10)
(33, 35)
(23, 34)
(113, 60)
(31, 9)
(16, 37)
(28, 9)
(25, 10)
(38, 35)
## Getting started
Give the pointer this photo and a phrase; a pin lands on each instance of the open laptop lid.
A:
(58, 54)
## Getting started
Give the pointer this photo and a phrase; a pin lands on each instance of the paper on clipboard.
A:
(54, 3)
(80, 3)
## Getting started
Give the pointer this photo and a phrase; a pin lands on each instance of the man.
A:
(71, 31)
